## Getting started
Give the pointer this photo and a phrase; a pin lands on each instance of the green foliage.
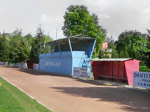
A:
(124, 54)
(144, 69)
(79, 22)
(34, 51)
(131, 44)
(147, 53)
(38, 45)
(17, 48)
(111, 42)
(115, 53)
(112, 46)
(104, 54)
(4, 47)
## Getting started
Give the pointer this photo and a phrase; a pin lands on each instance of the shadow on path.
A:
(135, 100)
(35, 72)
(40, 73)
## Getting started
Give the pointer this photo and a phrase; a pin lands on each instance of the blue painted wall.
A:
(70, 53)
(60, 63)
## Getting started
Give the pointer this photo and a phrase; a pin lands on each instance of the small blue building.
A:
(67, 53)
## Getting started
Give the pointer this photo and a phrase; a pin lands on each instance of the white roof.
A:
(111, 59)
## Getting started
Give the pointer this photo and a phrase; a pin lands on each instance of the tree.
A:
(131, 42)
(111, 42)
(112, 45)
(79, 22)
(37, 46)
(4, 47)
(124, 54)
(147, 53)
(34, 54)
(19, 47)
(29, 38)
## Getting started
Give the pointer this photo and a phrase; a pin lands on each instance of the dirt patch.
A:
(65, 94)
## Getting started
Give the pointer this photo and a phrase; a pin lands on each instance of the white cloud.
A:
(114, 15)
(120, 15)
(49, 19)
(45, 19)
(105, 16)
(52, 23)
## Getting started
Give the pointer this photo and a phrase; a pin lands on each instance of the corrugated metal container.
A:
(118, 69)
(67, 53)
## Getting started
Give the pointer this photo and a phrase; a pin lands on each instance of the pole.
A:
(40, 44)
(56, 33)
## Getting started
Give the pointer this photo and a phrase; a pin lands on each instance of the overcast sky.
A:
(114, 15)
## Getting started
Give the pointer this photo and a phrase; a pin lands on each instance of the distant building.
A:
(107, 52)
(104, 45)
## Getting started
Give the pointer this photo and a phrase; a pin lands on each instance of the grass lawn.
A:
(144, 69)
(14, 100)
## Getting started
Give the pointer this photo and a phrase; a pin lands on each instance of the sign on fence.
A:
(141, 79)
(81, 72)
(35, 66)
(4, 63)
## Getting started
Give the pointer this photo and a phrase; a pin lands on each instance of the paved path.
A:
(64, 94)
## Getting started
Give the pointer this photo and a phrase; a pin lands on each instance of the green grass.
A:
(144, 69)
(14, 100)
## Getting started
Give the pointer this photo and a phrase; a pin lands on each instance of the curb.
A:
(137, 88)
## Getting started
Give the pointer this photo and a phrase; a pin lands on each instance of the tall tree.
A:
(79, 22)
(37, 46)
(19, 47)
(111, 45)
(147, 53)
(133, 43)
(4, 47)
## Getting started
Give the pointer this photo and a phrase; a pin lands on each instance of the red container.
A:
(29, 64)
(118, 69)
